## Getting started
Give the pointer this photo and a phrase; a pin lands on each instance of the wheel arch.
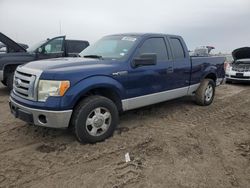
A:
(211, 76)
(9, 68)
(210, 73)
(105, 91)
(97, 85)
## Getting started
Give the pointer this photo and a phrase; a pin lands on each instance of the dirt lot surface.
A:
(173, 144)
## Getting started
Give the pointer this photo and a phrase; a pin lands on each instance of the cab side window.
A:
(178, 50)
(54, 46)
(154, 45)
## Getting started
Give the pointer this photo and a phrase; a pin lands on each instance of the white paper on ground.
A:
(127, 157)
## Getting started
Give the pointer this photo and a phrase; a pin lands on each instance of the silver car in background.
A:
(239, 69)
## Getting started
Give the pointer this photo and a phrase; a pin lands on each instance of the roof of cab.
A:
(143, 34)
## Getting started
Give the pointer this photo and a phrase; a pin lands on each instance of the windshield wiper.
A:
(94, 56)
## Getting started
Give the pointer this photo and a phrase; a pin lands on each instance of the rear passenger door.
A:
(181, 65)
(145, 80)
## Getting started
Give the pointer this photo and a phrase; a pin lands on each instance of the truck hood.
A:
(66, 64)
(73, 69)
(12, 45)
(241, 53)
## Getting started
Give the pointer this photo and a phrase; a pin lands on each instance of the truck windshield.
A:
(110, 47)
(36, 46)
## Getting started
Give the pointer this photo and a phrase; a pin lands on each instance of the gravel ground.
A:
(172, 144)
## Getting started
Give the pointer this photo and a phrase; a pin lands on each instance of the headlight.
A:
(48, 88)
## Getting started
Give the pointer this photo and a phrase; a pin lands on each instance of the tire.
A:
(204, 96)
(9, 81)
(102, 115)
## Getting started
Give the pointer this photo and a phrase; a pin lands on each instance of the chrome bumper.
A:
(1, 75)
(45, 118)
(232, 75)
(237, 79)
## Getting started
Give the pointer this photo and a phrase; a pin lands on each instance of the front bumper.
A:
(45, 118)
(237, 76)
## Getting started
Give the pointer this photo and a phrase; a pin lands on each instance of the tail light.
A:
(227, 65)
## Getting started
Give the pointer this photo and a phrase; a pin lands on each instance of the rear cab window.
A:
(177, 48)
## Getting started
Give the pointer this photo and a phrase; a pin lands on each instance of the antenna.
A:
(60, 27)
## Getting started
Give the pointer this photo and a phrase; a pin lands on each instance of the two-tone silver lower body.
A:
(1, 75)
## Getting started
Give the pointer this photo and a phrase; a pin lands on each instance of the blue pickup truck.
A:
(118, 73)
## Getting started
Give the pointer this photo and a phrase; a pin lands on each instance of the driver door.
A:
(54, 48)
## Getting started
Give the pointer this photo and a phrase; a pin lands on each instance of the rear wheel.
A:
(94, 119)
(205, 94)
(9, 81)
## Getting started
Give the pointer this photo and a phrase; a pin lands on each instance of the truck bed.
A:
(200, 64)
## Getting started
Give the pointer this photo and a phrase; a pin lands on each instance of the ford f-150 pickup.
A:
(17, 54)
(118, 73)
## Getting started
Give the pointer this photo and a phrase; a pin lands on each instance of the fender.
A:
(14, 64)
(8, 68)
(212, 69)
(15, 58)
(76, 92)
(14, 61)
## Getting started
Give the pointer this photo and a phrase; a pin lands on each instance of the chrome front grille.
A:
(25, 81)
(241, 67)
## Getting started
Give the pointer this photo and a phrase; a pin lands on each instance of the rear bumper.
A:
(45, 118)
(1, 75)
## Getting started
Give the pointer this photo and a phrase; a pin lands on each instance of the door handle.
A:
(170, 70)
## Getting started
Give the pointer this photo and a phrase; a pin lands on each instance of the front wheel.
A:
(204, 95)
(94, 119)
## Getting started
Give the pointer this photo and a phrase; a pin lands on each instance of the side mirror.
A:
(145, 59)
(40, 50)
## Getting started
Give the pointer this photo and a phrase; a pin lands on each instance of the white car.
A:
(239, 69)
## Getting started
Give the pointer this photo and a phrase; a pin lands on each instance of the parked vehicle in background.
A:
(202, 51)
(239, 69)
(17, 54)
(229, 60)
(7, 49)
(118, 73)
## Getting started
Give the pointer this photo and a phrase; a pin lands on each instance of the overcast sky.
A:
(224, 24)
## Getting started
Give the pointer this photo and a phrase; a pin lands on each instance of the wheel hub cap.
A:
(98, 121)
(209, 93)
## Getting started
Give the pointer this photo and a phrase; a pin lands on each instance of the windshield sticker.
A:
(122, 54)
(132, 39)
